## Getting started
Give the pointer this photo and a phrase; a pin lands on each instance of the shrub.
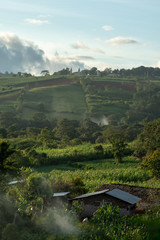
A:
(10, 232)
(151, 162)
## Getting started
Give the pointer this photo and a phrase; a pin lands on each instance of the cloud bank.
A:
(121, 41)
(36, 21)
(18, 55)
(81, 45)
(158, 64)
(107, 28)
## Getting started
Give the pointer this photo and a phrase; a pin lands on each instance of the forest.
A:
(74, 132)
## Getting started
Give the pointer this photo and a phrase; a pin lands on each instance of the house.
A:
(92, 201)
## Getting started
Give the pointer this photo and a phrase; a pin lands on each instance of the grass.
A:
(64, 100)
(104, 171)
(11, 82)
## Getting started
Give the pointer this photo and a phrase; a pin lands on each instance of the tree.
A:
(47, 138)
(149, 139)
(7, 118)
(10, 232)
(117, 140)
(93, 71)
(151, 162)
(32, 193)
(45, 72)
(66, 129)
(87, 130)
(39, 120)
(118, 147)
(5, 152)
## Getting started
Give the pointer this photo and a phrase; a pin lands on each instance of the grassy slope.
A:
(58, 101)
(65, 100)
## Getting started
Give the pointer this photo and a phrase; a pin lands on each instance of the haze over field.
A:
(37, 35)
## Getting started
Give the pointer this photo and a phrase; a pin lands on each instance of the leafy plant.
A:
(151, 162)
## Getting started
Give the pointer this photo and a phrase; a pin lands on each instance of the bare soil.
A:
(46, 83)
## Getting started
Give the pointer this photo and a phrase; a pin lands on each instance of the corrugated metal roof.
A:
(15, 182)
(60, 194)
(90, 194)
(124, 196)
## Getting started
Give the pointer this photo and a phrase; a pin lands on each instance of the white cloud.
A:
(36, 21)
(158, 64)
(81, 45)
(117, 57)
(18, 55)
(82, 58)
(121, 40)
(107, 28)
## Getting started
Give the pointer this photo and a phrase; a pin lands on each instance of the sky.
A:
(38, 35)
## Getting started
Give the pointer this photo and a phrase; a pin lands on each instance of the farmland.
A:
(65, 96)
(79, 96)
(103, 172)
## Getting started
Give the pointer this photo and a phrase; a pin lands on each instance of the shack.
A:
(92, 201)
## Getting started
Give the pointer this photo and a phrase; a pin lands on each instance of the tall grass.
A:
(104, 172)
(80, 153)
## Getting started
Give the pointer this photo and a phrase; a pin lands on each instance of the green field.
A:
(95, 172)
(104, 172)
(57, 101)
(61, 97)
(73, 97)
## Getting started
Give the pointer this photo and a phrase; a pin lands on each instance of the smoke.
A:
(18, 55)
(58, 222)
(103, 121)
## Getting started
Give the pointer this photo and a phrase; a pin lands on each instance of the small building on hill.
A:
(92, 201)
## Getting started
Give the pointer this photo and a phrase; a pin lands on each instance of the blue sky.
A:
(54, 34)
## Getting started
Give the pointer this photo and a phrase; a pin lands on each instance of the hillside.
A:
(77, 97)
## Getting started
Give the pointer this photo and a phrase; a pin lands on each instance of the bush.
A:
(10, 232)
(151, 162)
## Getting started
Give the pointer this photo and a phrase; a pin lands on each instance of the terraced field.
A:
(60, 97)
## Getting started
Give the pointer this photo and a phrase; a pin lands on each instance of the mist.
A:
(57, 221)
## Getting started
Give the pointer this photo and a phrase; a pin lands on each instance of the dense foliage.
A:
(45, 152)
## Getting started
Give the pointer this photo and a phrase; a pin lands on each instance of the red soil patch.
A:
(46, 83)
(121, 85)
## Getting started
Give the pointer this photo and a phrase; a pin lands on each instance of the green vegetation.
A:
(73, 133)
(122, 94)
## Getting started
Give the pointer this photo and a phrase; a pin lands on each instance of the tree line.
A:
(141, 71)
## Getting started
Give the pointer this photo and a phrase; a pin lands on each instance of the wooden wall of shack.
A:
(92, 203)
